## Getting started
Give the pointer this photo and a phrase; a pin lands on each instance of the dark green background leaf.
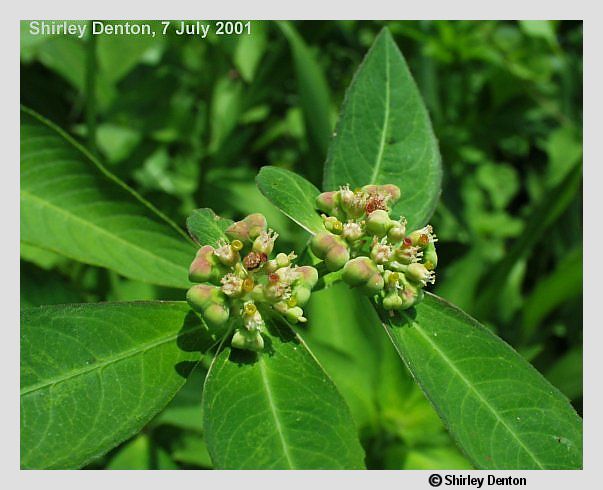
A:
(277, 411)
(71, 205)
(384, 135)
(93, 375)
(499, 409)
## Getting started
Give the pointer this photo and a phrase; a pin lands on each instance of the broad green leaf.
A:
(315, 100)
(93, 375)
(73, 206)
(384, 135)
(499, 409)
(206, 227)
(276, 410)
(292, 194)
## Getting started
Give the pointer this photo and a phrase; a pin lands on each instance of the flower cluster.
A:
(242, 276)
(375, 251)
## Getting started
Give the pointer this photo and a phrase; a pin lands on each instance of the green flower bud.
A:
(326, 201)
(295, 315)
(430, 257)
(309, 275)
(393, 301)
(336, 257)
(374, 284)
(422, 237)
(204, 267)
(378, 223)
(410, 295)
(264, 242)
(257, 294)
(390, 192)
(417, 272)
(358, 271)
(352, 231)
(216, 315)
(381, 253)
(232, 285)
(352, 203)
(210, 302)
(227, 254)
(301, 295)
(243, 339)
(398, 231)
(248, 228)
(332, 224)
(331, 248)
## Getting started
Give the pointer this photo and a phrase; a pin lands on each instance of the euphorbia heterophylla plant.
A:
(93, 375)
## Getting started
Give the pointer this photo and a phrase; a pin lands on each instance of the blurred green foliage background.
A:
(187, 122)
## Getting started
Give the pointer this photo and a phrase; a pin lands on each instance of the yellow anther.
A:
(248, 285)
(236, 245)
(393, 278)
(291, 302)
(429, 265)
(337, 227)
(250, 309)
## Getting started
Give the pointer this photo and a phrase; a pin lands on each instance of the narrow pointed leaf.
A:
(384, 135)
(277, 410)
(501, 411)
(206, 227)
(314, 97)
(71, 205)
(93, 375)
(292, 194)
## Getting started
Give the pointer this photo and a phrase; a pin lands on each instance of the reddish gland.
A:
(407, 242)
(375, 202)
(253, 260)
(273, 278)
(423, 240)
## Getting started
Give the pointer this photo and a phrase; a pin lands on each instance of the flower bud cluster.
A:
(377, 253)
(239, 276)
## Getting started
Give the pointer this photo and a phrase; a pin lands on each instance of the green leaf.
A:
(315, 100)
(141, 454)
(499, 409)
(384, 135)
(93, 375)
(71, 205)
(250, 49)
(544, 214)
(276, 410)
(566, 373)
(559, 287)
(292, 194)
(206, 227)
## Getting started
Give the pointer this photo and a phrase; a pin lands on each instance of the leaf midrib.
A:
(99, 229)
(141, 349)
(274, 410)
(379, 160)
(471, 388)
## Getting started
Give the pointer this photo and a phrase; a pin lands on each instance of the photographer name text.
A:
(179, 28)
